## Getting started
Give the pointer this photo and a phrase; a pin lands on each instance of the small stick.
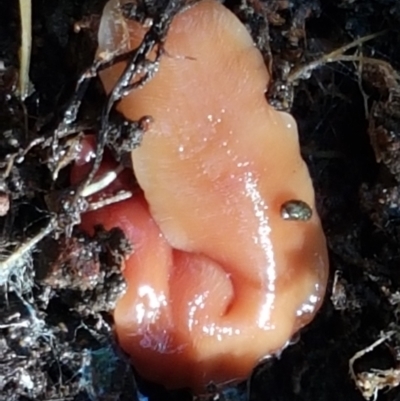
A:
(334, 56)
(361, 353)
(7, 265)
(25, 10)
(103, 182)
(119, 197)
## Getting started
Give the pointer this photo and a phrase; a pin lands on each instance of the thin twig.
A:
(119, 197)
(25, 9)
(8, 264)
(103, 182)
(334, 56)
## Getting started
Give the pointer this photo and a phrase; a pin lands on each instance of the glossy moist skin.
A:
(219, 280)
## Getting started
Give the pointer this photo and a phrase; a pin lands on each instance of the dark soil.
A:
(56, 295)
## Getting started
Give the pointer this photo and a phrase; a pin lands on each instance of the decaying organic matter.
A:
(56, 340)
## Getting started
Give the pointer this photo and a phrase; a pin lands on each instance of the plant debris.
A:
(374, 380)
(25, 8)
